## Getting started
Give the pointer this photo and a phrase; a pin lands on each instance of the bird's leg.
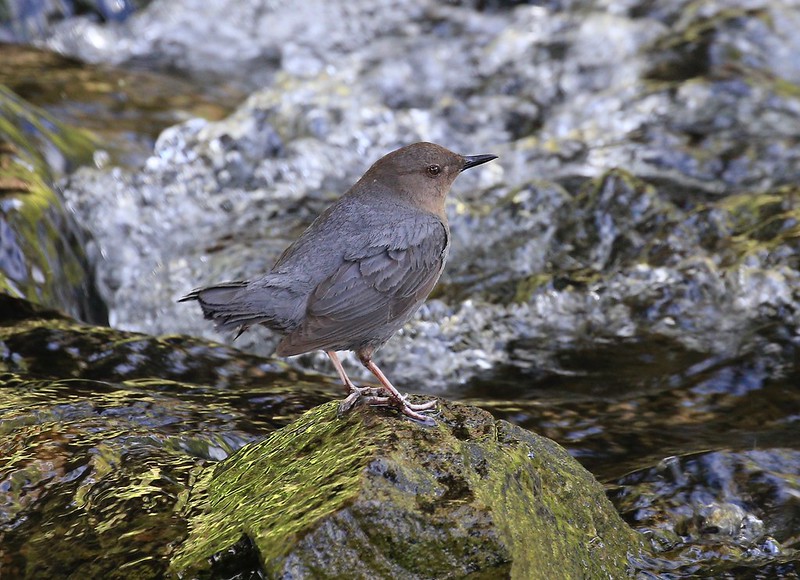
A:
(372, 396)
(398, 400)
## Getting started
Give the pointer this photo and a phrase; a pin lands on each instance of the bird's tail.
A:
(225, 305)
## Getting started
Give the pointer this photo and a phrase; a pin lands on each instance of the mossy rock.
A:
(373, 495)
(42, 257)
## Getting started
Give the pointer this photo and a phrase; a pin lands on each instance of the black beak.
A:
(473, 160)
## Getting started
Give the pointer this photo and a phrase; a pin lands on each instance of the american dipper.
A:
(358, 273)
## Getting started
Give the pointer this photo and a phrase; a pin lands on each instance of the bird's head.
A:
(422, 173)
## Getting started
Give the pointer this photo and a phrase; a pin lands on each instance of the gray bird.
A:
(358, 273)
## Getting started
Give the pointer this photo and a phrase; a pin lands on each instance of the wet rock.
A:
(41, 249)
(108, 435)
(103, 434)
(374, 495)
(47, 343)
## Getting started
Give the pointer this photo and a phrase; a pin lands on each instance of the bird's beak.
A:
(473, 160)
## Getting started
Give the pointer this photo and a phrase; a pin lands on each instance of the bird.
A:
(358, 273)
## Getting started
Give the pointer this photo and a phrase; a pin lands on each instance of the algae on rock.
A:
(374, 495)
(41, 256)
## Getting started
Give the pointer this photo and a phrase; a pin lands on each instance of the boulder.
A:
(374, 495)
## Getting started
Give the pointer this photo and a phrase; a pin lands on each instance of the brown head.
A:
(421, 173)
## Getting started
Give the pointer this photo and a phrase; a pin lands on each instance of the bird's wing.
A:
(373, 289)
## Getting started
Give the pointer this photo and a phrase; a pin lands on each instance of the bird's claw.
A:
(363, 395)
(419, 406)
(380, 397)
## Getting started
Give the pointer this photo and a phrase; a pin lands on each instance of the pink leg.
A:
(385, 395)
(397, 399)
(371, 395)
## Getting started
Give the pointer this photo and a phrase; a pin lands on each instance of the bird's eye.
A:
(433, 170)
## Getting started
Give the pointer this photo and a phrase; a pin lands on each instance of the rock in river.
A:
(372, 495)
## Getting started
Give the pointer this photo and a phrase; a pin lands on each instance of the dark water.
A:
(700, 453)
(623, 406)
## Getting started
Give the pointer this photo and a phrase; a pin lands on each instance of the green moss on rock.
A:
(375, 495)
(41, 258)
(38, 137)
(309, 470)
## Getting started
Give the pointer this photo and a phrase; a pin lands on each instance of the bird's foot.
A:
(366, 395)
(419, 406)
(411, 410)
(380, 397)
